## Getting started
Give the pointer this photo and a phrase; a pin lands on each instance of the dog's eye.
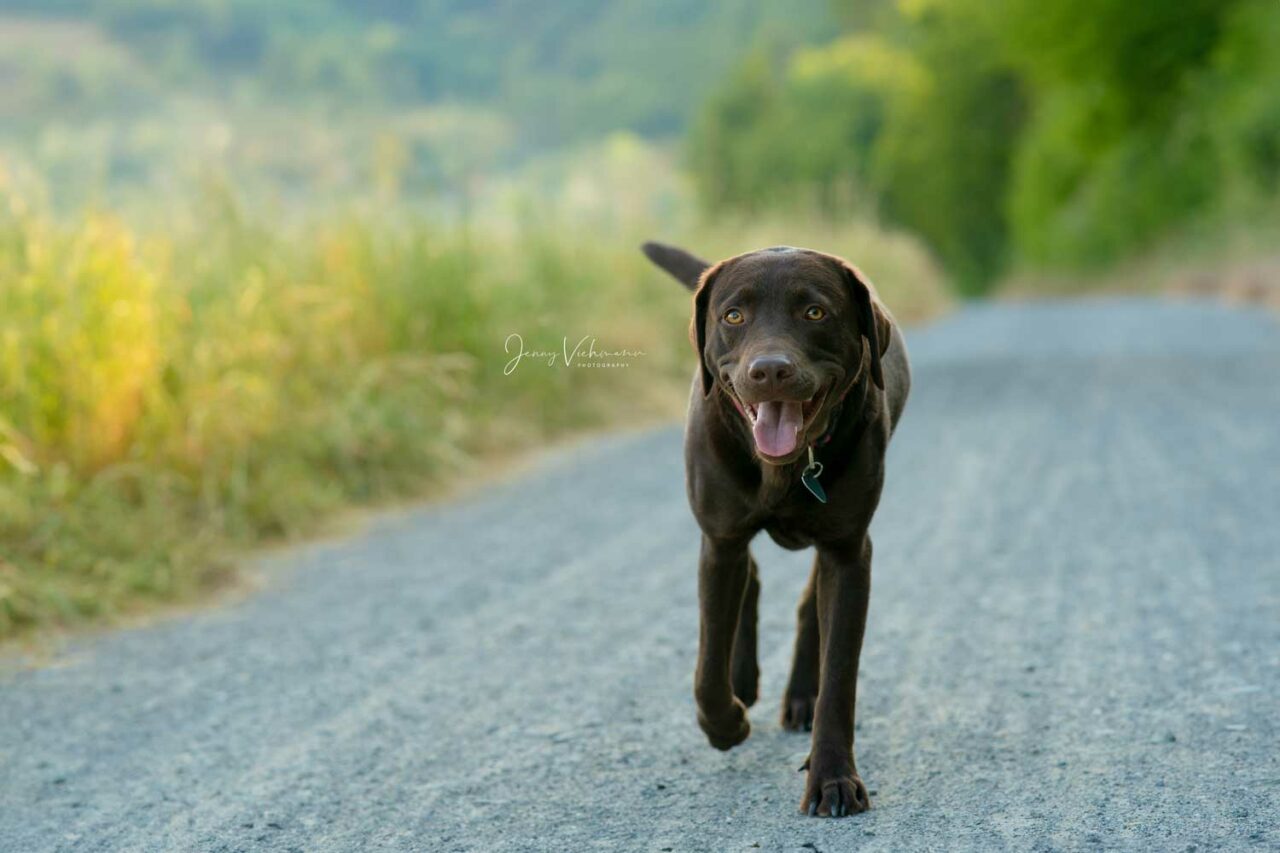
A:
(734, 317)
(815, 312)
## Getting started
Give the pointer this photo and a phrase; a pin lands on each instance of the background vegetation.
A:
(1013, 133)
(118, 100)
(258, 260)
(170, 395)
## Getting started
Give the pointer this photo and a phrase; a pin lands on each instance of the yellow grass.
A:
(171, 396)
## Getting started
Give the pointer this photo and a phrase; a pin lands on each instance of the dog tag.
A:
(809, 477)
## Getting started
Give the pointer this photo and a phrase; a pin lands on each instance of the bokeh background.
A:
(258, 260)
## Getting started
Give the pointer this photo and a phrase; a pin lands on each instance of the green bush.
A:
(1018, 131)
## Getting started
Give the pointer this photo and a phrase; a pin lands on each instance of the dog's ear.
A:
(679, 264)
(873, 319)
(698, 325)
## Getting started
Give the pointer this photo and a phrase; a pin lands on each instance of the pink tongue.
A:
(777, 427)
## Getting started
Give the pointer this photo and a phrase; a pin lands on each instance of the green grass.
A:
(172, 396)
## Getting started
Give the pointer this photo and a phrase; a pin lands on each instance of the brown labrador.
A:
(803, 375)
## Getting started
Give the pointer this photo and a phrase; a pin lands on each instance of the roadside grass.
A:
(172, 396)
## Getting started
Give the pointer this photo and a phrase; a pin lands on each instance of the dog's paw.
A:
(834, 794)
(797, 712)
(725, 731)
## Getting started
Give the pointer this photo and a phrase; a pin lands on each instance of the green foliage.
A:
(784, 130)
(1038, 133)
(913, 118)
(1118, 149)
(941, 164)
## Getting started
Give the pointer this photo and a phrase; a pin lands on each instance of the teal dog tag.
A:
(809, 477)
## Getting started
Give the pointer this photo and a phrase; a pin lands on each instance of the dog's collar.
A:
(809, 476)
(834, 421)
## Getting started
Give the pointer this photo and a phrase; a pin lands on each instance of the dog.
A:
(802, 377)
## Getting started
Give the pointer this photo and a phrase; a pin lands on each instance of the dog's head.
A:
(785, 333)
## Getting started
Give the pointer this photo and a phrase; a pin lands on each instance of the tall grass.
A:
(171, 396)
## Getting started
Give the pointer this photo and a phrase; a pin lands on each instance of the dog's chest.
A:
(794, 523)
(788, 537)
(787, 511)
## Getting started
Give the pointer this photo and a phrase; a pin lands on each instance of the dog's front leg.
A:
(802, 687)
(833, 787)
(722, 581)
(745, 668)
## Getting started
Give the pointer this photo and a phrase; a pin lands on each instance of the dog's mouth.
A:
(778, 426)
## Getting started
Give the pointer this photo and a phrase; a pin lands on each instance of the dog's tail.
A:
(679, 264)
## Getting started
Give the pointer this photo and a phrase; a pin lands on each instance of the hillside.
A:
(306, 93)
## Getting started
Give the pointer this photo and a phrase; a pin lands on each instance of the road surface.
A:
(1074, 640)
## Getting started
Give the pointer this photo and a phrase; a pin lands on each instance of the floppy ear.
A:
(679, 264)
(872, 318)
(698, 326)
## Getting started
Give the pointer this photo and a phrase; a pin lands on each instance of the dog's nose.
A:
(770, 369)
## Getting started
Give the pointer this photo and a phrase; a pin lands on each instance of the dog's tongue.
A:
(777, 427)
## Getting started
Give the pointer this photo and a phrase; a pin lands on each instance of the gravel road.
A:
(1074, 640)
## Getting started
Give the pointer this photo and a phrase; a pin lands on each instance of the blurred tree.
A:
(942, 161)
(916, 119)
(1025, 131)
(1116, 150)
